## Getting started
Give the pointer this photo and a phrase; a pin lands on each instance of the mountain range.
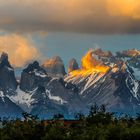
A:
(46, 89)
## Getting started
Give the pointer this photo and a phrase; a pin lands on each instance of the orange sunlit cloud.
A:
(19, 49)
(128, 8)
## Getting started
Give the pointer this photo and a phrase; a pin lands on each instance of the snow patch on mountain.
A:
(9, 68)
(136, 73)
(39, 73)
(55, 98)
(23, 99)
(92, 79)
(134, 84)
(2, 96)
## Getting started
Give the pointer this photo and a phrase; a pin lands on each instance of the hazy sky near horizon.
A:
(38, 29)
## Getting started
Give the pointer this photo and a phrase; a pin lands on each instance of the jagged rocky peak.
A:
(54, 67)
(33, 76)
(4, 60)
(101, 78)
(34, 68)
(7, 75)
(134, 62)
(100, 53)
(31, 67)
(4, 57)
(128, 53)
(132, 58)
(73, 65)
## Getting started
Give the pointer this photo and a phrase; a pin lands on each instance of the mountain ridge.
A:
(102, 78)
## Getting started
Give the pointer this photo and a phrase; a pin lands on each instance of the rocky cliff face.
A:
(73, 65)
(54, 67)
(8, 85)
(9, 108)
(128, 53)
(32, 77)
(7, 76)
(41, 94)
(132, 59)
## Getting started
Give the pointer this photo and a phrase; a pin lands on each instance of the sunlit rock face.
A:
(33, 76)
(73, 65)
(89, 65)
(54, 67)
(7, 75)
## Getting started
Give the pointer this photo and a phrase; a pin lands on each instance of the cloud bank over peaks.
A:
(82, 16)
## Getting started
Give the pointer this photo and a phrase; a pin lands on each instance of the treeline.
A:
(97, 125)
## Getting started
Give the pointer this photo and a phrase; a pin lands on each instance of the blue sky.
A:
(69, 45)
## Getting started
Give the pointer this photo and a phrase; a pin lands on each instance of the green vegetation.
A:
(98, 125)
